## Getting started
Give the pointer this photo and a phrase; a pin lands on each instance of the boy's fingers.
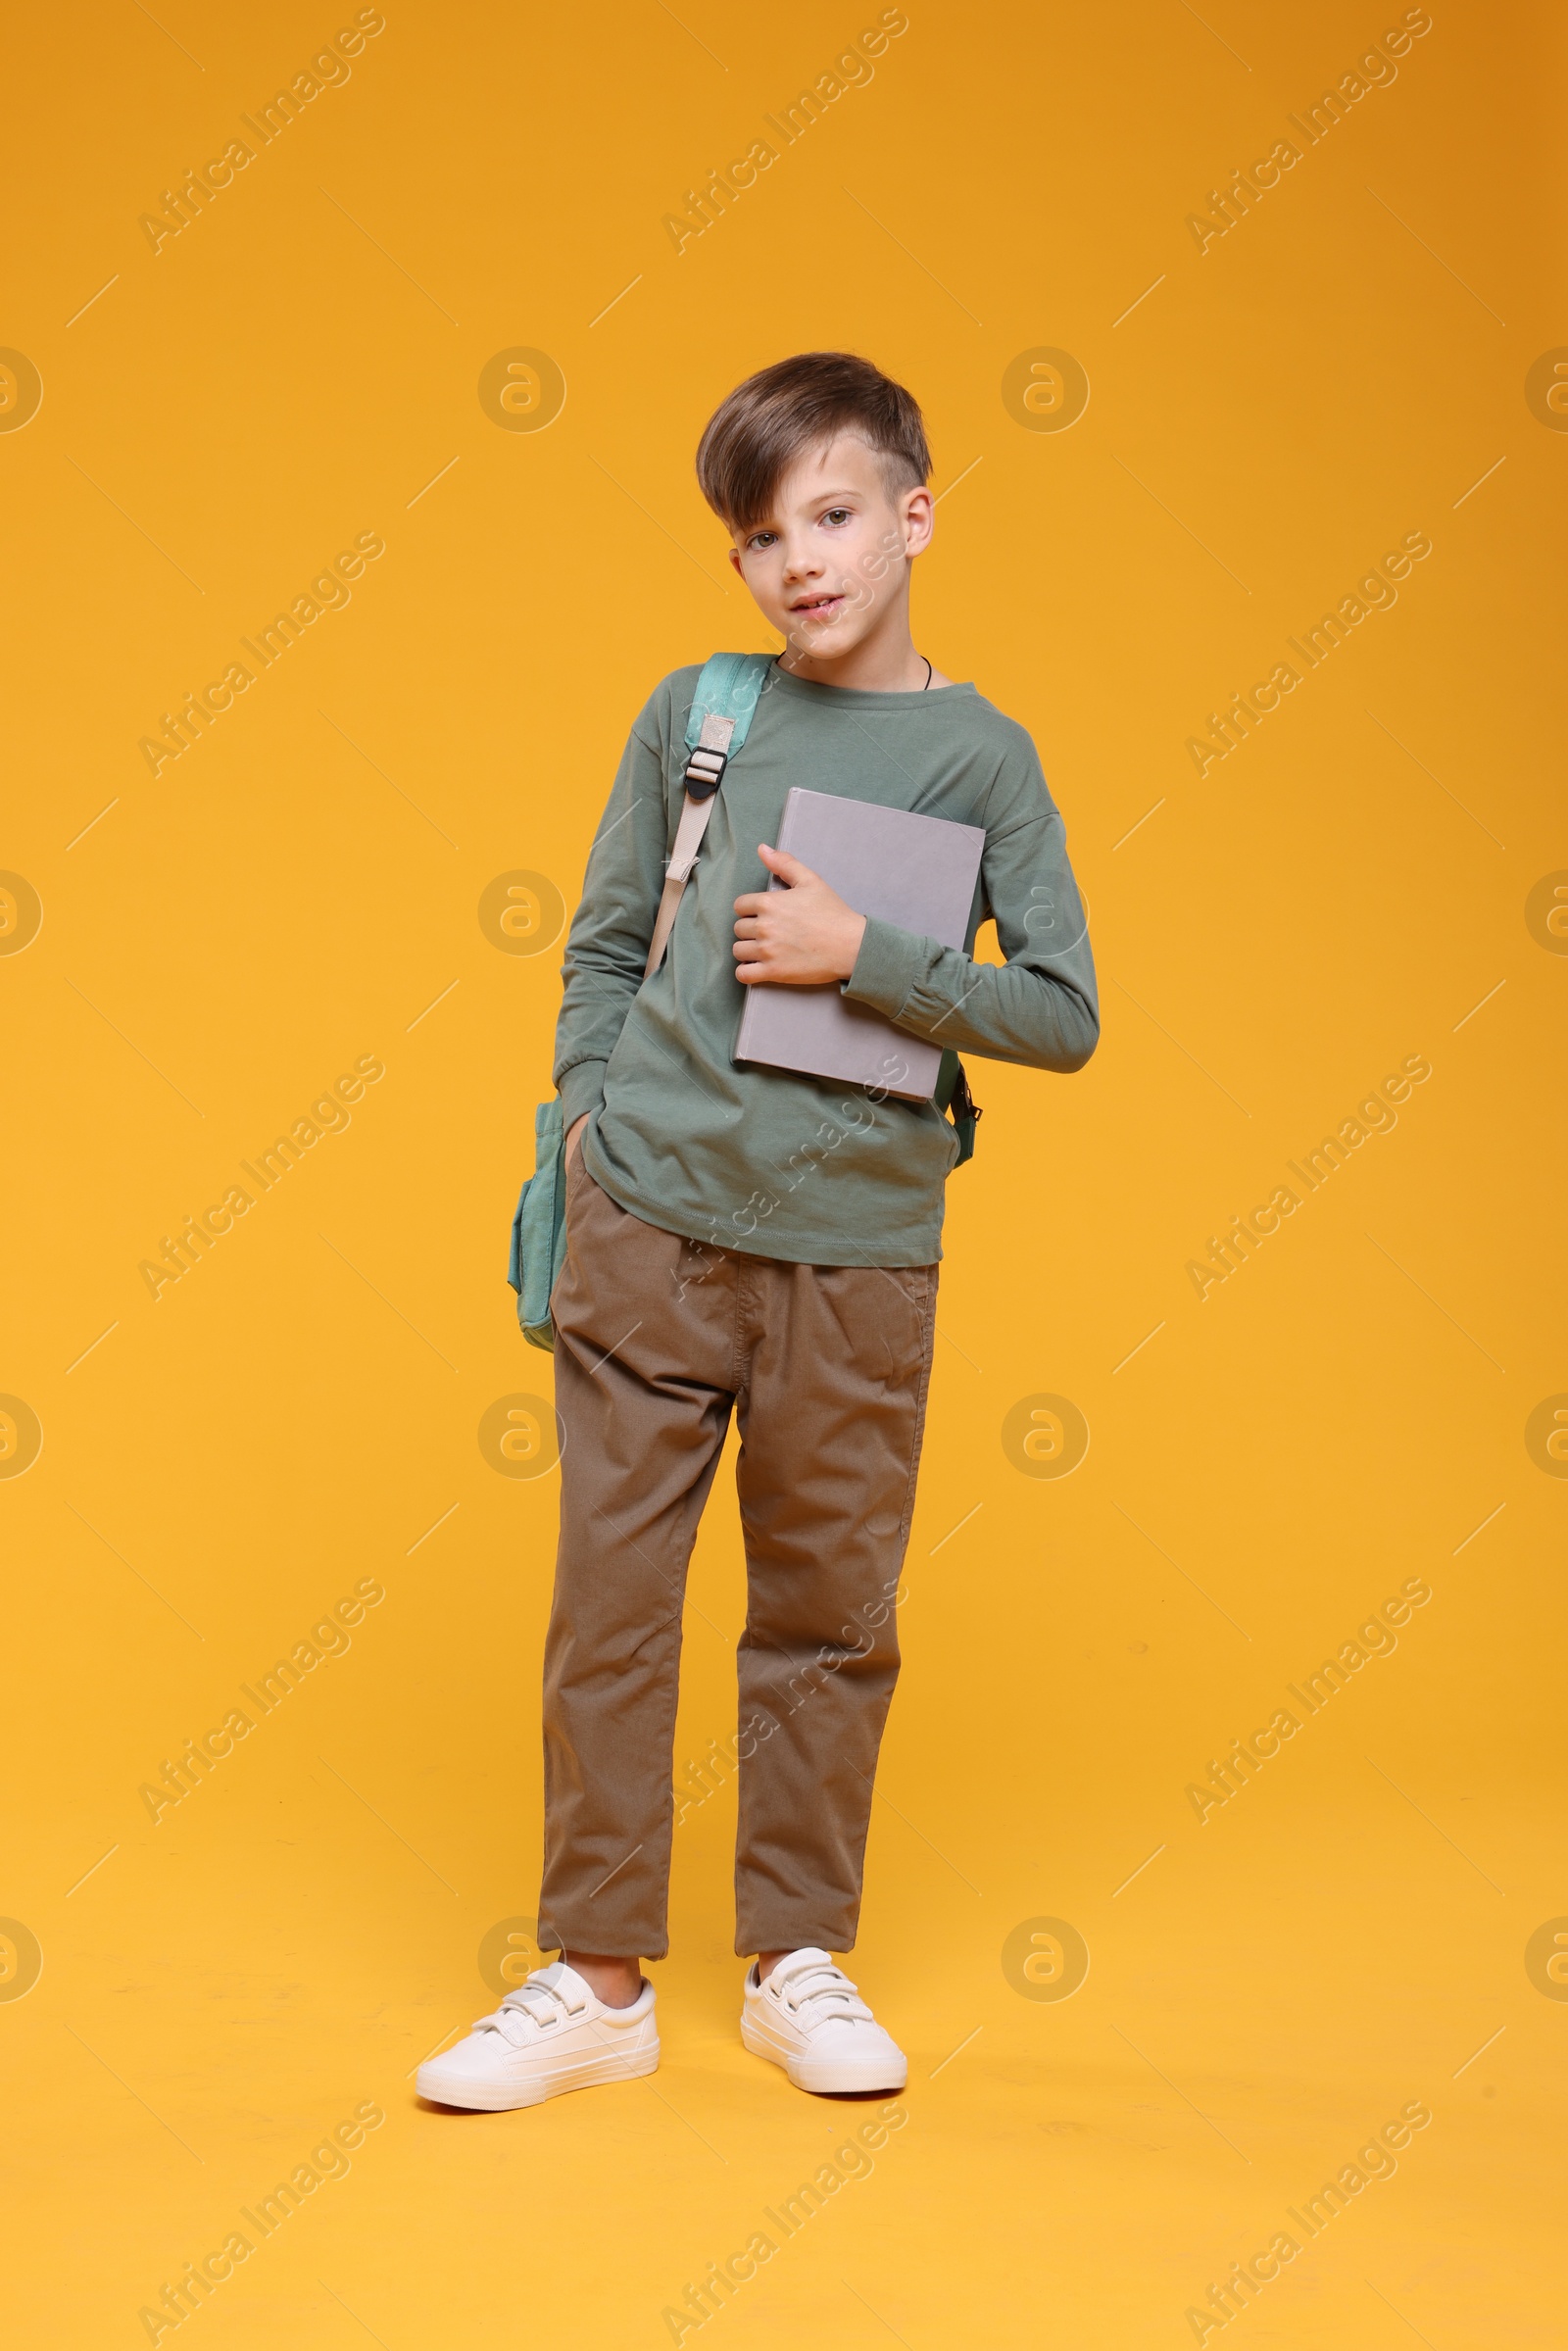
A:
(789, 870)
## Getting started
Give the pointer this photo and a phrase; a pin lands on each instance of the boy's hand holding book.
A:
(798, 937)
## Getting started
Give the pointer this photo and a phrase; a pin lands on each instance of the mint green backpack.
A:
(716, 726)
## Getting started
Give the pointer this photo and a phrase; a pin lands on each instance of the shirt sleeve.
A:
(1040, 1008)
(608, 943)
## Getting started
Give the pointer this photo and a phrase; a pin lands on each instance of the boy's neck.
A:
(884, 662)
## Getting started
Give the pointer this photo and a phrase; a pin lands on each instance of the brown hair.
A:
(754, 436)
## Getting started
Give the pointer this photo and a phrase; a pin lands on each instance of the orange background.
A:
(301, 1412)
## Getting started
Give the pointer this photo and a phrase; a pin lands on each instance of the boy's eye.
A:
(837, 513)
(762, 538)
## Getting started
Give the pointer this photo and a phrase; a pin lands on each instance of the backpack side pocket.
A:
(539, 1229)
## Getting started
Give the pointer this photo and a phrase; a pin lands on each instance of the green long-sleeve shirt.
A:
(762, 1159)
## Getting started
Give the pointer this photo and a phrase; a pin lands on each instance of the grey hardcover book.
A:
(893, 866)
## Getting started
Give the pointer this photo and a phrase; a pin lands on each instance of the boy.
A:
(744, 1238)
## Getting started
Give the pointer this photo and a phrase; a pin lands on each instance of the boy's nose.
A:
(801, 562)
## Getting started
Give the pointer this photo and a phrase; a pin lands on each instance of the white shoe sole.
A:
(823, 2075)
(444, 2088)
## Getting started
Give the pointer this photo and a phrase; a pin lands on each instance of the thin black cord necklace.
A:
(778, 663)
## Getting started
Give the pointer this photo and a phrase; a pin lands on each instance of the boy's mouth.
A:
(820, 607)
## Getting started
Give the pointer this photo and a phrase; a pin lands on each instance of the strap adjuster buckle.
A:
(704, 771)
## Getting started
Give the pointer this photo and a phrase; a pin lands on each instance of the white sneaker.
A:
(807, 2018)
(551, 2035)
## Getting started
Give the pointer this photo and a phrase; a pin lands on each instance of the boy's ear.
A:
(918, 514)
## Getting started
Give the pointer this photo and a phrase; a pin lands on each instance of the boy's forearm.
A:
(1047, 1019)
(581, 1088)
(608, 943)
(593, 1013)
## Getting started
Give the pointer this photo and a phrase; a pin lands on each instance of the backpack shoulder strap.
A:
(717, 725)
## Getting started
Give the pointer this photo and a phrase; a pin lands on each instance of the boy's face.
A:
(829, 565)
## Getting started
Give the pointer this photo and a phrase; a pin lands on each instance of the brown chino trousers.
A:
(826, 1368)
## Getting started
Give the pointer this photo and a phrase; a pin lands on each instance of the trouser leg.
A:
(644, 1383)
(837, 1362)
